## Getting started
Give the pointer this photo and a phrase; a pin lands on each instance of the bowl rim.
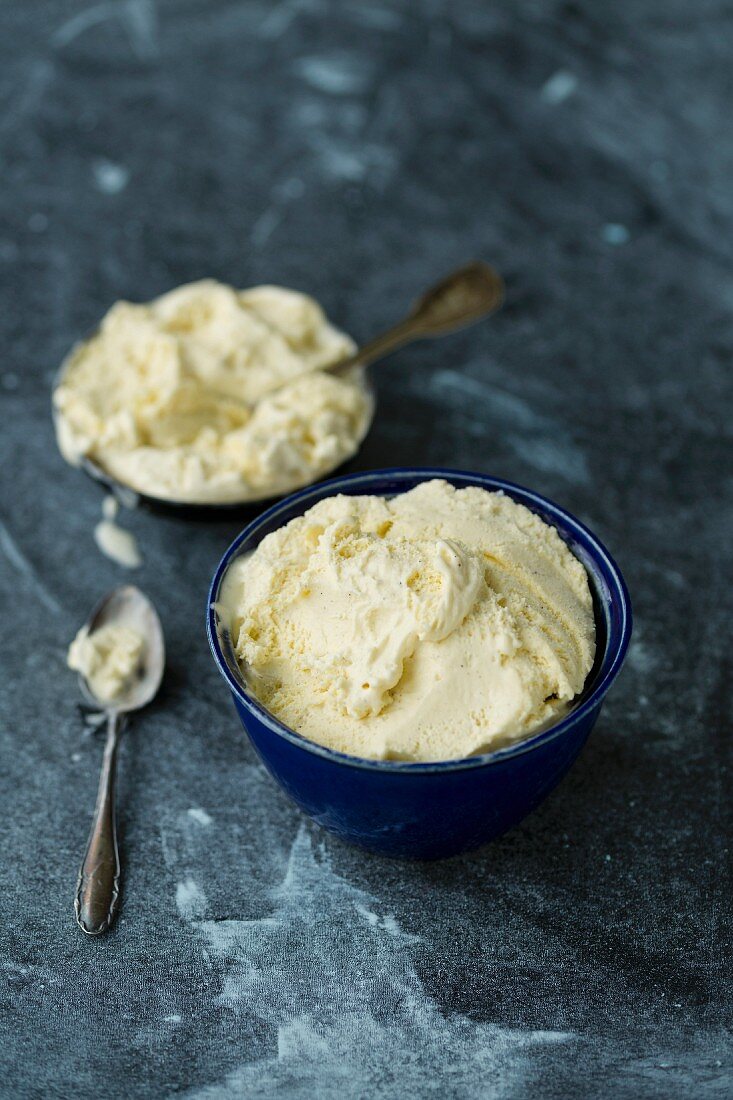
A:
(604, 567)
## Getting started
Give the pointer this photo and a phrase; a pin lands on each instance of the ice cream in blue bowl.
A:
(418, 655)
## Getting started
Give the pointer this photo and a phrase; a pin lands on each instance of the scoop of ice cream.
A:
(107, 658)
(211, 394)
(430, 626)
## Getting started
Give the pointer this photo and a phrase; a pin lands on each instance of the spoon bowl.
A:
(129, 607)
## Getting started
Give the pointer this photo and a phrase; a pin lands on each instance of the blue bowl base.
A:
(414, 813)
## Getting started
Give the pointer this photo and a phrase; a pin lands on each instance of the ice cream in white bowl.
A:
(211, 395)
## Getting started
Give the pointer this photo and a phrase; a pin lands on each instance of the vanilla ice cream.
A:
(212, 395)
(107, 658)
(430, 626)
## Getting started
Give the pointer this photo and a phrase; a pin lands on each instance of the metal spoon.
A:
(97, 891)
(460, 299)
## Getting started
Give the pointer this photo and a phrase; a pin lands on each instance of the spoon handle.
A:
(98, 888)
(461, 299)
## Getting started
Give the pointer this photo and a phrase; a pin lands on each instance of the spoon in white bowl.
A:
(98, 888)
(460, 299)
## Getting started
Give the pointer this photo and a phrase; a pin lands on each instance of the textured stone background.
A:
(357, 150)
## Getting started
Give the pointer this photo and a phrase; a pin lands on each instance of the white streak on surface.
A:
(513, 409)
(376, 16)
(25, 97)
(334, 985)
(387, 923)
(138, 17)
(534, 437)
(22, 565)
(343, 164)
(353, 160)
(72, 28)
(340, 74)
(559, 87)
(615, 234)
(190, 899)
(199, 816)
(141, 22)
(110, 178)
(34, 975)
(642, 657)
(265, 226)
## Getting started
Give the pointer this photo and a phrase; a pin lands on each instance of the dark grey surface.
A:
(356, 151)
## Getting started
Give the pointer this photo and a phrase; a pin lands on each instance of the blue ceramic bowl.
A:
(427, 811)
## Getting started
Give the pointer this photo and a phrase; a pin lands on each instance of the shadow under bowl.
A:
(428, 810)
